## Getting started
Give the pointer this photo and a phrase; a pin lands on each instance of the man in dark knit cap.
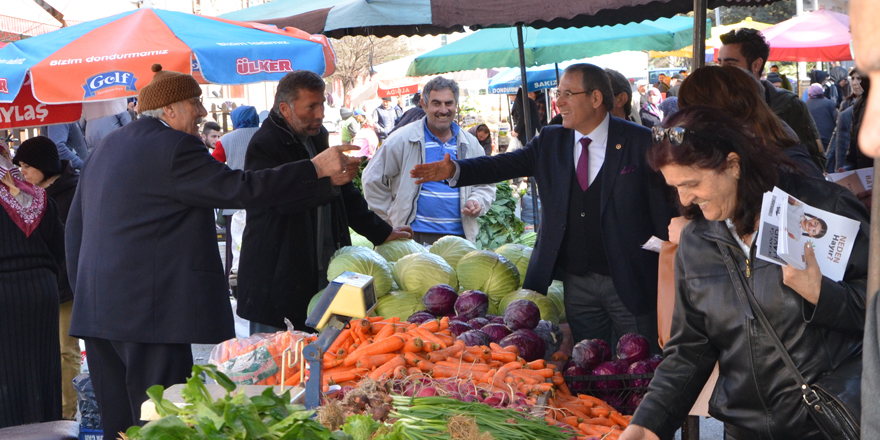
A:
(142, 248)
(41, 166)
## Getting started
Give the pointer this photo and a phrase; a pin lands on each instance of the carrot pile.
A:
(589, 415)
(384, 349)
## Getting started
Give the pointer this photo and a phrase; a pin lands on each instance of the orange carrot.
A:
(537, 364)
(344, 335)
(474, 367)
(559, 356)
(512, 349)
(413, 345)
(432, 326)
(503, 356)
(387, 368)
(375, 360)
(572, 420)
(411, 359)
(342, 376)
(600, 421)
(617, 418)
(413, 371)
(388, 345)
(600, 411)
(444, 323)
(428, 336)
(385, 332)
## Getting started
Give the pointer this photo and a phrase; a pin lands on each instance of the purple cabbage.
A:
(440, 299)
(552, 336)
(474, 338)
(458, 327)
(588, 354)
(497, 320)
(522, 314)
(621, 365)
(606, 349)
(472, 304)
(607, 369)
(654, 361)
(420, 317)
(478, 323)
(458, 318)
(639, 367)
(635, 399)
(577, 385)
(633, 347)
(530, 345)
(496, 332)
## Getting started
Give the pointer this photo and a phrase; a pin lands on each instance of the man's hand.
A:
(636, 432)
(865, 198)
(675, 227)
(434, 171)
(333, 163)
(399, 232)
(807, 283)
(472, 208)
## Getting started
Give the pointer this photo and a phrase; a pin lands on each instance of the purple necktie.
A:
(583, 167)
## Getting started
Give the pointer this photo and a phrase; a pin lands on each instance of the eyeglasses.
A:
(567, 94)
(674, 134)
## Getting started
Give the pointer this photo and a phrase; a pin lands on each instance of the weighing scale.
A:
(349, 296)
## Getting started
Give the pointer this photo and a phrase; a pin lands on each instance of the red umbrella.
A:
(821, 35)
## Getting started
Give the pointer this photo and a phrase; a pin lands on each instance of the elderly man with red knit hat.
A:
(142, 248)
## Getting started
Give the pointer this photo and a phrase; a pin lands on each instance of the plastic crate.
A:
(620, 398)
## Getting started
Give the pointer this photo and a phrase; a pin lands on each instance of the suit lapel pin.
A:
(618, 146)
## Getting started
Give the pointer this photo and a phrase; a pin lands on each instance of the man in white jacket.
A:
(432, 209)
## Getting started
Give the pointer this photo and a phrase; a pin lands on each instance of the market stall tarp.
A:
(821, 35)
(26, 111)
(489, 48)
(713, 42)
(111, 57)
(337, 18)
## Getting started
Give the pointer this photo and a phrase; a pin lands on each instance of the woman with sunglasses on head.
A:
(735, 91)
(721, 171)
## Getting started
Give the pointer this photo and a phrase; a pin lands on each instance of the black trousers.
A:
(121, 372)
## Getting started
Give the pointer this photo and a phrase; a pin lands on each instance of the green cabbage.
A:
(397, 249)
(549, 311)
(519, 255)
(452, 248)
(400, 304)
(359, 240)
(555, 293)
(363, 261)
(418, 272)
(488, 272)
(313, 302)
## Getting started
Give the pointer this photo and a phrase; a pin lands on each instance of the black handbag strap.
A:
(743, 289)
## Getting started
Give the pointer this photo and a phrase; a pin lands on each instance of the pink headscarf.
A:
(27, 208)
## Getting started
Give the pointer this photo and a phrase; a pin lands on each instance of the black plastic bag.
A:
(88, 404)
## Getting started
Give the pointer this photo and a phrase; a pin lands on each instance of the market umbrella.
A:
(509, 80)
(110, 58)
(26, 111)
(498, 47)
(714, 41)
(821, 35)
(337, 18)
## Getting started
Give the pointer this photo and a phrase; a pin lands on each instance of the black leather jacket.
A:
(755, 396)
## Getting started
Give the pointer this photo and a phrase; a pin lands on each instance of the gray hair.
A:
(439, 83)
(155, 113)
(289, 86)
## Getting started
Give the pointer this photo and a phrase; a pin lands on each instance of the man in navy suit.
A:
(601, 203)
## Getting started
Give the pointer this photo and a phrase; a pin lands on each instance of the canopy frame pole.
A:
(700, 8)
(527, 119)
(874, 246)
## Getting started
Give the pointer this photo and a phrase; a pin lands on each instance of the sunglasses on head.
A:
(674, 134)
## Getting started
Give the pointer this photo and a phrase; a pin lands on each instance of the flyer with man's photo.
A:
(787, 224)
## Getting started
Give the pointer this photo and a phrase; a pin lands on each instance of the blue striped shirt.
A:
(438, 210)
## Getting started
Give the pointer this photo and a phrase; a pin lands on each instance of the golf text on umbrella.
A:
(109, 80)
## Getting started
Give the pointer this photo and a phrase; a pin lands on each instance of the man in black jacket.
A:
(286, 248)
(141, 245)
(601, 203)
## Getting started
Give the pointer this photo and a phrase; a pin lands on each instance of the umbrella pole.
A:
(874, 249)
(699, 59)
(526, 116)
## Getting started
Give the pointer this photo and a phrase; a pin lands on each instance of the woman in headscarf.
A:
(482, 133)
(651, 114)
(31, 249)
(41, 166)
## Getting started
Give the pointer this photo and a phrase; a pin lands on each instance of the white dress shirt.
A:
(599, 140)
